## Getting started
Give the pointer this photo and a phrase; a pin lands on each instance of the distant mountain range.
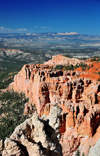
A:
(68, 40)
(40, 47)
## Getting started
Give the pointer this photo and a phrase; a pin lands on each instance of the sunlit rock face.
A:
(95, 150)
(35, 136)
(78, 97)
(43, 85)
(62, 60)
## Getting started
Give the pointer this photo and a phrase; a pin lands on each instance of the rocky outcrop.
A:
(44, 85)
(62, 60)
(79, 98)
(36, 136)
(95, 150)
(79, 125)
(1, 146)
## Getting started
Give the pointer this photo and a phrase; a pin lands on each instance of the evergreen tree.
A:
(77, 153)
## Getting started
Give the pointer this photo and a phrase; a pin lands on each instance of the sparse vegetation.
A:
(95, 58)
(68, 56)
(83, 65)
(77, 153)
(59, 67)
(62, 67)
(6, 77)
(71, 67)
(98, 79)
(99, 73)
(11, 112)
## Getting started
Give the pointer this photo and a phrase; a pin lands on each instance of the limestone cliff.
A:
(79, 98)
(35, 136)
(62, 60)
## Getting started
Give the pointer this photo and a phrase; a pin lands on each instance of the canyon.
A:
(68, 109)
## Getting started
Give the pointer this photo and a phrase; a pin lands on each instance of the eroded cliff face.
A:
(36, 136)
(43, 85)
(79, 98)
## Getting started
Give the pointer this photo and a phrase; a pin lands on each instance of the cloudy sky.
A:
(35, 16)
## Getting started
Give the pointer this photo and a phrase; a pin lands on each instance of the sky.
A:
(41, 16)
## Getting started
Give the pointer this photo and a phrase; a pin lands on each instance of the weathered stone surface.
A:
(36, 136)
(1, 146)
(95, 150)
(62, 60)
(44, 86)
(79, 99)
(11, 148)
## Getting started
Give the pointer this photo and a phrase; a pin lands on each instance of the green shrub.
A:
(11, 112)
(99, 73)
(67, 56)
(94, 58)
(59, 67)
(6, 77)
(71, 67)
(98, 79)
(77, 153)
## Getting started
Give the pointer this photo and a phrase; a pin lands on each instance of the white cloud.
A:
(35, 26)
(22, 29)
(28, 34)
(45, 27)
(4, 28)
(65, 33)
(68, 33)
(12, 30)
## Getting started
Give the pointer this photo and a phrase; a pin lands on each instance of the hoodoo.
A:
(77, 96)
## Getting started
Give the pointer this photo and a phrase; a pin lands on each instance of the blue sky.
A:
(35, 16)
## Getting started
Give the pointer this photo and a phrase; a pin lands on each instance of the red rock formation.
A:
(78, 97)
(92, 71)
